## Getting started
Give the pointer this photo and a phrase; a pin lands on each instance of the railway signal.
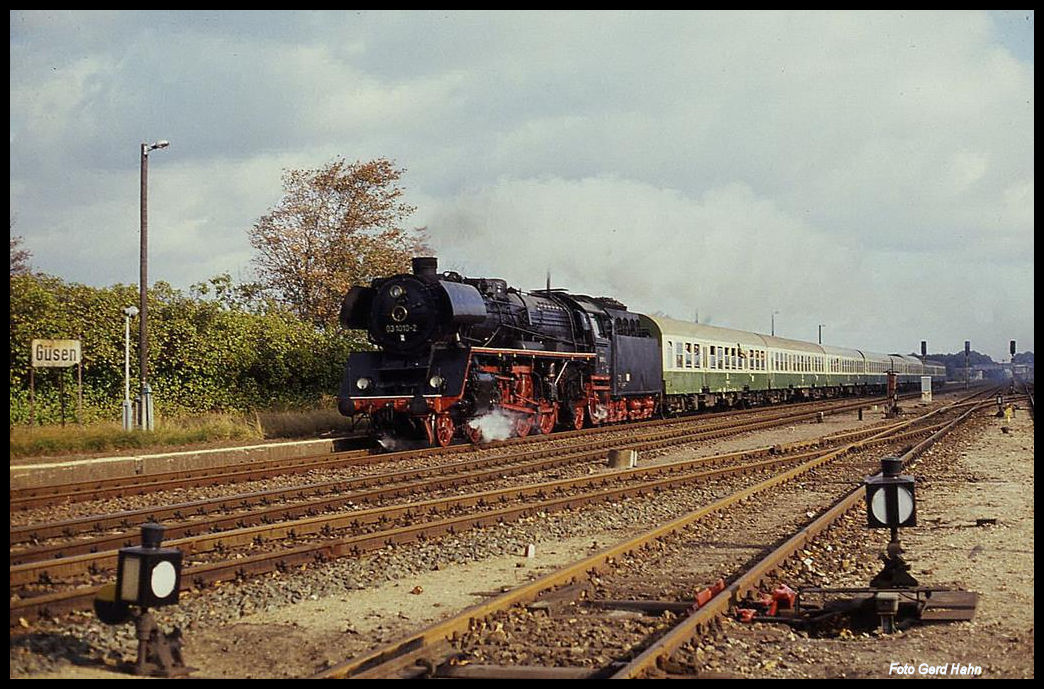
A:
(146, 576)
(890, 504)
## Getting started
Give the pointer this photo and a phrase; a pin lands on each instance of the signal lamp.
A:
(890, 499)
(363, 383)
(147, 575)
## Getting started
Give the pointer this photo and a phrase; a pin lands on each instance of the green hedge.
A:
(204, 355)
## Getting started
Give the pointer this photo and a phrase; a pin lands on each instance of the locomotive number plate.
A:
(403, 328)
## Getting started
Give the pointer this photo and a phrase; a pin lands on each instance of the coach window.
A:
(669, 351)
(688, 355)
(696, 355)
(723, 354)
(678, 356)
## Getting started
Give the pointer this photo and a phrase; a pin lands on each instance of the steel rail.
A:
(465, 471)
(28, 498)
(57, 603)
(94, 561)
(386, 659)
(657, 654)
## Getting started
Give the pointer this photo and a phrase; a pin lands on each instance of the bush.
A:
(204, 355)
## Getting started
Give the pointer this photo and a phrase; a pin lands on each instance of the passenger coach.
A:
(707, 366)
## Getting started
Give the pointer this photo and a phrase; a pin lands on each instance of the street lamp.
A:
(143, 337)
(128, 422)
(774, 323)
(821, 333)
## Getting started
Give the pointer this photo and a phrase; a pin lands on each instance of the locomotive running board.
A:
(534, 352)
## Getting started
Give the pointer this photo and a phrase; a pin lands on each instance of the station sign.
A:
(55, 353)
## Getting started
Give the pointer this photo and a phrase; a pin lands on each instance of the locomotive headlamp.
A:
(363, 383)
(399, 313)
(890, 497)
(436, 381)
(148, 575)
(396, 291)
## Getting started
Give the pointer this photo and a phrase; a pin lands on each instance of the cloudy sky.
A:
(871, 172)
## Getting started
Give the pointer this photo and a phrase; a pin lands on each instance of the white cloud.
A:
(797, 161)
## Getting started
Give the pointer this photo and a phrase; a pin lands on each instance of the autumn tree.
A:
(335, 227)
(19, 255)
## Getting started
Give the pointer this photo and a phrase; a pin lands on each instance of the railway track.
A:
(210, 556)
(191, 516)
(632, 606)
(32, 498)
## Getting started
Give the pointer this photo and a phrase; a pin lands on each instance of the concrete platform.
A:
(41, 473)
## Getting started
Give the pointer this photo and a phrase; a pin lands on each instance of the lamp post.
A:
(821, 333)
(143, 336)
(128, 313)
(774, 323)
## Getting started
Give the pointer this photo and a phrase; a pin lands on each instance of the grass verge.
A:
(30, 441)
(102, 437)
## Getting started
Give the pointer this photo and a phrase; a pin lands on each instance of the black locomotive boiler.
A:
(461, 357)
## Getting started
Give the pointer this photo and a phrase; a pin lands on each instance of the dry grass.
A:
(301, 424)
(28, 441)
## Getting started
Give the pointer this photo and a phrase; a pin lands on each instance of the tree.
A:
(19, 256)
(335, 227)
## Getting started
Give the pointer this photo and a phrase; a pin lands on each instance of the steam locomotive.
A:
(475, 358)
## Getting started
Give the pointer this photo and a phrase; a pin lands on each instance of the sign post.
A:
(58, 354)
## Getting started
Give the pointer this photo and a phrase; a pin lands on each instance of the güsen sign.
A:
(55, 353)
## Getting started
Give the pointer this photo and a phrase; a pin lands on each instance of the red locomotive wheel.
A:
(444, 430)
(546, 422)
(523, 425)
(578, 415)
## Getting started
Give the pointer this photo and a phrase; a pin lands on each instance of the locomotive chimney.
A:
(425, 266)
